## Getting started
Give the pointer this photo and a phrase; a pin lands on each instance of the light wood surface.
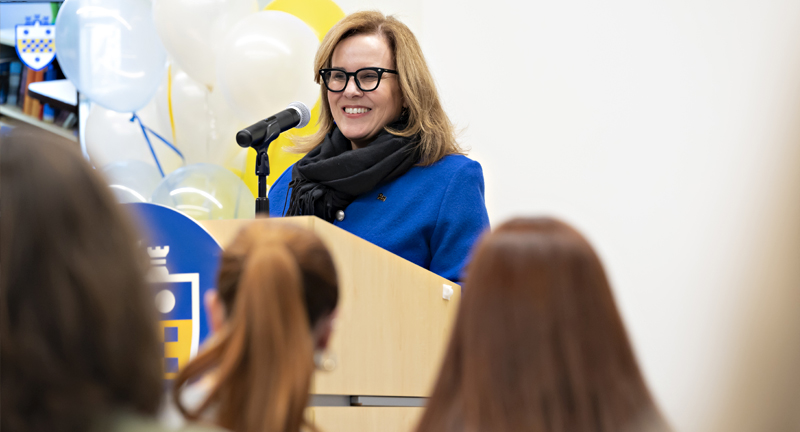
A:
(393, 324)
(364, 419)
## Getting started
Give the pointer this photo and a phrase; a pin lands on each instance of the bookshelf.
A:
(45, 91)
(17, 114)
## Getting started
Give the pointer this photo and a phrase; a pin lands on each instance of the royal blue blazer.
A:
(431, 215)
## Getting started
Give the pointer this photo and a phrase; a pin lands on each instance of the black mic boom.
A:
(265, 131)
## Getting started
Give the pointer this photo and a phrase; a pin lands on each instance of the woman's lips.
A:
(355, 112)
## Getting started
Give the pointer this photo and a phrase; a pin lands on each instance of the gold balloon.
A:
(320, 15)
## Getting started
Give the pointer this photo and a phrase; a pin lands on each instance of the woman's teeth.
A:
(356, 110)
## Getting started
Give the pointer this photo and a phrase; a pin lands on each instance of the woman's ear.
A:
(215, 311)
(323, 329)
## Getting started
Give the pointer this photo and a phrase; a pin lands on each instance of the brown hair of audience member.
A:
(426, 116)
(276, 280)
(77, 319)
(538, 344)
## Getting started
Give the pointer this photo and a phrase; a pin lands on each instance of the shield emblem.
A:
(36, 44)
(184, 260)
(178, 301)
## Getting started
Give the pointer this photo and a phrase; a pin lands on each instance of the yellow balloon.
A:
(320, 15)
(279, 158)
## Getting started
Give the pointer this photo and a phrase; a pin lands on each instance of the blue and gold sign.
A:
(35, 42)
(184, 261)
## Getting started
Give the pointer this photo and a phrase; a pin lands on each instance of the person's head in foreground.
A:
(373, 77)
(277, 291)
(77, 320)
(538, 344)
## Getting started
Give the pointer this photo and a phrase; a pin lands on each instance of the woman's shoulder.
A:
(453, 163)
(449, 172)
(286, 175)
(192, 397)
(279, 188)
(127, 421)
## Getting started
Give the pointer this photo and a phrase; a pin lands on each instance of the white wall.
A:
(12, 14)
(669, 133)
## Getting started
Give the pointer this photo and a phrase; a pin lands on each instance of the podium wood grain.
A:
(364, 419)
(392, 326)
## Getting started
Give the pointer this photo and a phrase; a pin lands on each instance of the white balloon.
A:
(206, 192)
(237, 162)
(205, 126)
(191, 30)
(190, 114)
(224, 124)
(112, 137)
(132, 180)
(265, 62)
(110, 50)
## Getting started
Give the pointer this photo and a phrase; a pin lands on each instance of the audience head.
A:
(538, 344)
(77, 320)
(320, 287)
(278, 287)
(412, 91)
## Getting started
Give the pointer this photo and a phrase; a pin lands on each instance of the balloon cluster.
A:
(172, 81)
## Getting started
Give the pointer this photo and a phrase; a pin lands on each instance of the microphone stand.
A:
(262, 171)
(262, 163)
(260, 135)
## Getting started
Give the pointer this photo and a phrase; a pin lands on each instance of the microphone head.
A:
(244, 138)
(305, 113)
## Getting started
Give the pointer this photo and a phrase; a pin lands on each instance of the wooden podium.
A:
(390, 335)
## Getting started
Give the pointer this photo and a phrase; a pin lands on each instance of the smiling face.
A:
(362, 115)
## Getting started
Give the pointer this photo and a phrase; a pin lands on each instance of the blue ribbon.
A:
(146, 129)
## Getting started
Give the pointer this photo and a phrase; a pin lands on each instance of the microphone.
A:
(296, 115)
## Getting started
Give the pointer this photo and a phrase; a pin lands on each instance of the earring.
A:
(324, 360)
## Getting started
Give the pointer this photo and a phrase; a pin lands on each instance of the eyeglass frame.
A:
(380, 72)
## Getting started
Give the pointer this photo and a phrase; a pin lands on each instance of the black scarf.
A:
(332, 175)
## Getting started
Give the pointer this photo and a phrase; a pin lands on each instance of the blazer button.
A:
(340, 215)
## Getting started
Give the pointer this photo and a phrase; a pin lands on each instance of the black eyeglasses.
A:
(367, 79)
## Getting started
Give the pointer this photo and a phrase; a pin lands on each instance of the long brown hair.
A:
(538, 344)
(263, 358)
(426, 117)
(77, 319)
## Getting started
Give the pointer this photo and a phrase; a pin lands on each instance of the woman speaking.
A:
(385, 164)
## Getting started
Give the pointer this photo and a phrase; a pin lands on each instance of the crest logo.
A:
(184, 260)
(178, 300)
(35, 42)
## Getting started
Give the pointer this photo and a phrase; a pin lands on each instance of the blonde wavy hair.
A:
(426, 117)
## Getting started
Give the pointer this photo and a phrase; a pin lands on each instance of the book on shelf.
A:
(70, 121)
(48, 112)
(23, 86)
(33, 107)
(14, 76)
(14, 80)
(4, 75)
(61, 117)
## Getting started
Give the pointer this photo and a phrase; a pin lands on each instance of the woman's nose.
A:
(351, 88)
